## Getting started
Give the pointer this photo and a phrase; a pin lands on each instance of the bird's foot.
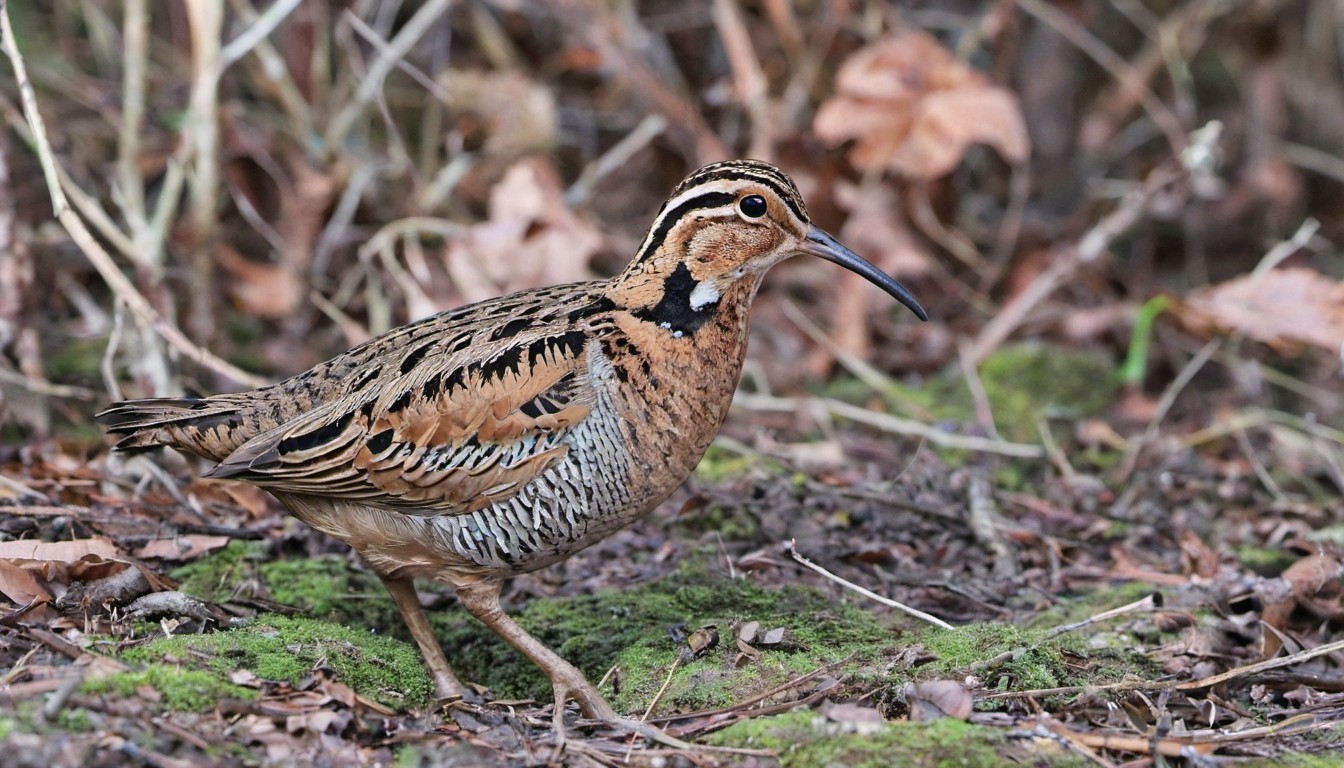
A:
(590, 702)
(449, 690)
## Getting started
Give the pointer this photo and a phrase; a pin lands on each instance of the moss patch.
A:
(629, 630)
(1023, 382)
(180, 689)
(215, 576)
(805, 739)
(287, 649)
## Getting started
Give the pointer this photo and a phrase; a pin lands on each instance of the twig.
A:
(983, 521)
(259, 29)
(97, 255)
(1109, 60)
(984, 413)
(1189, 685)
(1149, 603)
(1285, 248)
(1068, 260)
(130, 182)
(1261, 666)
(861, 369)
(748, 77)
(387, 59)
(676, 662)
(44, 387)
(915, 612)
(620, 153)
(1168, 399)
(888, 423)
(1327, 164)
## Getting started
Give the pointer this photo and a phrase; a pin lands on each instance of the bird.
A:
(504, 436)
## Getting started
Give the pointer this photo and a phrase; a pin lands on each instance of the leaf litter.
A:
(1051, 568)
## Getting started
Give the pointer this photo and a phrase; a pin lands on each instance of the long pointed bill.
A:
(819, 243)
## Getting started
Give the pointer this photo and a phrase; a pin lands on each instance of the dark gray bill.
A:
(819, 243)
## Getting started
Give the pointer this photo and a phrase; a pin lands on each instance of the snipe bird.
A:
(503, 436)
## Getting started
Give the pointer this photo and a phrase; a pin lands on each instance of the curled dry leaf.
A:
(934, 699)
(187, 547)
(1285, 308)
(56, 551)
(531, 238)
(854, 718)
(1312, 583)
(262, 289)
(699, 642)
(20, 586)
(913, 108)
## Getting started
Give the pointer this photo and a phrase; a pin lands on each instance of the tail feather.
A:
(204, 426)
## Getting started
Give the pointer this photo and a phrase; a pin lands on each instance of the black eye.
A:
(752, 206)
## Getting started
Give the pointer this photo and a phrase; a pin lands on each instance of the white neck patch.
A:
(704, 294)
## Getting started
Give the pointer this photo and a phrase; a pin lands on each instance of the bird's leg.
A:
(446, 684)
(481, 599)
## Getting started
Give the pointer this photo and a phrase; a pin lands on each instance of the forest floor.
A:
(1089, 514)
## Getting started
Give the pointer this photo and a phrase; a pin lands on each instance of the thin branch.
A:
(893, 424)
(97, 255)
(388, 58)
(915, 612)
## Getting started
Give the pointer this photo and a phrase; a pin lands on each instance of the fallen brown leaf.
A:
(56, 551)
(187, 547)
(531, 238)
(1285, 308)
(913, 108)
(20, 585)
(934, 699)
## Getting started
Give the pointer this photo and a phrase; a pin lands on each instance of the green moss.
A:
(1084, 603)
(1024, 383)
(733, 523)
(286, 648)
(722, 463)
(1266, 561)
(182, 689)
(628, 629)
(215, 576)
(74, 719)
(1034, 661)
(321, 587)
(75, 358)
(805, 739)
(8, 726)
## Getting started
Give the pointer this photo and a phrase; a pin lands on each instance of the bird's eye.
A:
(752, 206)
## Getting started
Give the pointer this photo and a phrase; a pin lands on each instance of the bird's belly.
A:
(595, 489)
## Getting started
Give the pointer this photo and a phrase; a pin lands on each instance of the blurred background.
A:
(1120, 215)
(281, 182)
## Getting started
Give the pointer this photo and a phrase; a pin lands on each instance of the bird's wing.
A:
(456, 431)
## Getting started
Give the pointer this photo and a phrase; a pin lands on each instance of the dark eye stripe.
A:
(736, 172)
(669, 219)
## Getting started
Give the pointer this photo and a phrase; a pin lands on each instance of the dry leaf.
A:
(531, 238)
(747, 632)
(912, 107)
(856, 719)
(1285, 308)
(515, 115)
(56, 551)
(699, 642)
(20, 585)
(935, 699)
(1312, 583)
(187, 547)
(262, 289)
(773, 637)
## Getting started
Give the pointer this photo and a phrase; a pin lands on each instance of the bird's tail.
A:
(202, 426)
